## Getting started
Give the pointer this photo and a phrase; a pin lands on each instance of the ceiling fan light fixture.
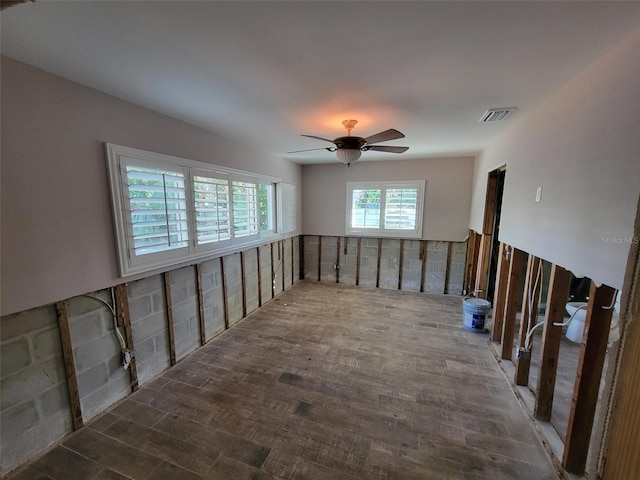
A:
(348, 155)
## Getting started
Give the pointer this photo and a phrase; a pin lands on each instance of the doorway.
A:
(489, 245)
(495, 243)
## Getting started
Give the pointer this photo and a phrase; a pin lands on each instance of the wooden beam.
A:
(587, 384)
(293, 264)
(259, 278)
(169, 306)
(557, 296)
(273, 274)
(514, 287)
(528, 319)
(201, 323)
(281, 259)
(124, 320)
(623, 442)
(486, 242)
(319, 257)
(400, 262)
(490, 202)
(338, 259)
(244, 284)
(378, 263)
(62, 311)
(473, 251)
(447, 268)
(423, 257)
(301, 257)
(482, 273)
(358, 250)
(500, 295)
(225, 299)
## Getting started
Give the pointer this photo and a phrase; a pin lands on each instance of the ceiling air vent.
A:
(496, 114)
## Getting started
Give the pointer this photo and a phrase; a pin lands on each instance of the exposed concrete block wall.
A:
(390, 264)
(348, 260)
(457, 265)
(149, 325)
(412, 266)
(287, 248)
(311, 257)
(251, 284)
(368, 262)
(184, 299)
(233, 279)
(296, 259)
(278, 267)
(97, 354)
(328, 258)
(265, 273)
(444, 263)
(34, 410)
(436, 267)
(212, 295)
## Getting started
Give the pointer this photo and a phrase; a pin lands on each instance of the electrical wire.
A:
(529, 299)
(123, 344)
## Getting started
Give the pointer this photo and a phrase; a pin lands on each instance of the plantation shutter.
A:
(212, 208)
(157, 209)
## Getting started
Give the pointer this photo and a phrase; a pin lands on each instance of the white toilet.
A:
(575, 330)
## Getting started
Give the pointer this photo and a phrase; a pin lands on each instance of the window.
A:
(169, 210)
(211, 201)
(287, 208)
(385, 209)
(267, 208)
(158, 206)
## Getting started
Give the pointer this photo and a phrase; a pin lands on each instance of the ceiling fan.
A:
(349, 148)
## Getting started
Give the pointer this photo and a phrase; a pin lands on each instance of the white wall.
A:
(57, 230)
(582, 145)
(447, 193)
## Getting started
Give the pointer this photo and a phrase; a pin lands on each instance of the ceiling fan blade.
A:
(319, 138)
(391, 134)
(312, 149)
(382, 148)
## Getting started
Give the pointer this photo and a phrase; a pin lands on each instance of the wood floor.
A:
(324, 382)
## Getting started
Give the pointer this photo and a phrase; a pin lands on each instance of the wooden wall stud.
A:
(124, 321)
(169, 305)
(69, 364)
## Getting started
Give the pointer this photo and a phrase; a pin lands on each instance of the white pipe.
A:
(613, 301)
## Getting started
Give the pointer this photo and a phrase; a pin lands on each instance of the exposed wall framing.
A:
(502, 278)
(588, 377)
(551, 337)
(622, 442)
(162, 317)
(514, 289)
(532, 287)
(399, 264)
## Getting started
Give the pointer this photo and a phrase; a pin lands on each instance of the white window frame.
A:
(381, 231)
(118, 157)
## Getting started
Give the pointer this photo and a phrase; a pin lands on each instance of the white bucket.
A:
(475, 310)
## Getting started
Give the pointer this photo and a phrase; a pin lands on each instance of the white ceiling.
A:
(266, 72)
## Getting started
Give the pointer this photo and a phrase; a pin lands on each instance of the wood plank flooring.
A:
(324, 382)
